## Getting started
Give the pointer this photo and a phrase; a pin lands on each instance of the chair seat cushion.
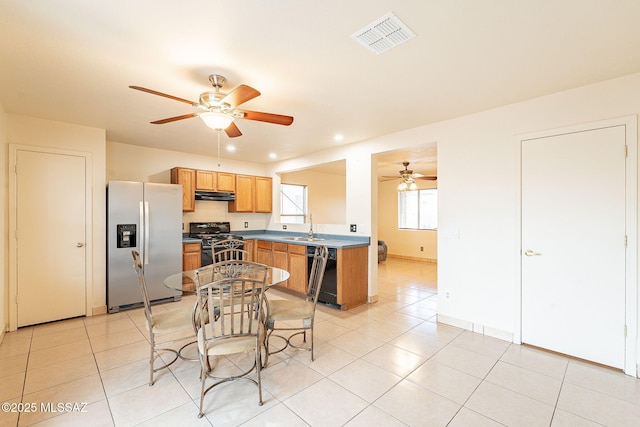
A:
(290, 310)
(165, 322)
(229, 345)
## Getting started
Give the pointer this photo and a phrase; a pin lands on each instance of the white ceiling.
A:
(73, 60)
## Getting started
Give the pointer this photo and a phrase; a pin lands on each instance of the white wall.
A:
(478, 179)
(327, 194)
(4, 203)
(403, 243)
(133, 163)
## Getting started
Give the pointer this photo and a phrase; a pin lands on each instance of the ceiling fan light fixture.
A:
(216, 120)
(407, 183)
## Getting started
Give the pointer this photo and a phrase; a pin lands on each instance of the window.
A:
(418, 209)
(293, 203)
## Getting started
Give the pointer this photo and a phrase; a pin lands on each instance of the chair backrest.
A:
(317, 273)
(231, 249)
(239, 300)
(137, 266)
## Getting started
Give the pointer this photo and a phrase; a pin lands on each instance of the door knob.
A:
(79, 245)
(530, 252)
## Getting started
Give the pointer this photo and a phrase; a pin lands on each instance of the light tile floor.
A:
(386, 364)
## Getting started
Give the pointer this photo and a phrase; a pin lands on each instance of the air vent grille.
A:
(383, 34)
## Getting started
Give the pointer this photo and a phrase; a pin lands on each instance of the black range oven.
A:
(210, 233)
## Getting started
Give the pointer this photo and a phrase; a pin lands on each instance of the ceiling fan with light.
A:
(408, 178)
(218, 110)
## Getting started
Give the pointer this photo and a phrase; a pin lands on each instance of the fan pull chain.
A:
(218, 132)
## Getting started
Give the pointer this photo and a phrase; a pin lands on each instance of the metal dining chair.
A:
(161, 323)
(302, 311)
(235, 326)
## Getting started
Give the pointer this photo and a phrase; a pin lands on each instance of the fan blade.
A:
(153, 92)
(173, 119)
(391, 176)
(277, 119)
(232, 130)
(240, 95)
(426, 178)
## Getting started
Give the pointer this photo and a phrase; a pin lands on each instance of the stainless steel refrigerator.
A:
(146, 217)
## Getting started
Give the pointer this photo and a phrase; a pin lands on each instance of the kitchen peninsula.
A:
(346, 280)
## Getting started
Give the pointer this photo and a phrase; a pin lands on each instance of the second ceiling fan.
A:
(218, 110)
(408, 175)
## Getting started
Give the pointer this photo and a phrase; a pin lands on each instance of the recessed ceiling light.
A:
(338, 137)
(272, 155)
(231, 148)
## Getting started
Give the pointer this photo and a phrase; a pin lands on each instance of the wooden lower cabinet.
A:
(280, 259)
(191, 259)
(263, 252)
(352, 276)
(191, 256)
(298, 268)
(351, 270)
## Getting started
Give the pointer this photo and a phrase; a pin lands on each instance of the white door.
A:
(573, 244)
(51, 242)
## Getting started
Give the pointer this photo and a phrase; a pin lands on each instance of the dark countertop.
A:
(330, 240)
(191, 240)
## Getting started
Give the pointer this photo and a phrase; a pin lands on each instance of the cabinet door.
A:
(226, 182)
(280, 258)
(190, 261)
(263, 194)
(245, 188)
(264, 253)
(191, 256)
(298, 268)
(187, 178)
(206, 180)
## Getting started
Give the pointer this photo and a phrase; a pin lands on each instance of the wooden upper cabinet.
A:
(187, 178)
(226, 182)
(245, 189)
(215, 181)
(206, 180)
(263, 194)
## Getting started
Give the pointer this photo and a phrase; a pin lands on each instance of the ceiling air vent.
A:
(383, 34)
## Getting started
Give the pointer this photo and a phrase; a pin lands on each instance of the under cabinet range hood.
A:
(219, 196)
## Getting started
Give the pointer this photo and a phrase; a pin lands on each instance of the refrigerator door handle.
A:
(141, 232)
(146, 233)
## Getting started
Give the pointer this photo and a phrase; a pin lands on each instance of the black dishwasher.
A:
(329, 287)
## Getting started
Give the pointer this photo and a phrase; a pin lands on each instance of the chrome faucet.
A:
(310, 233)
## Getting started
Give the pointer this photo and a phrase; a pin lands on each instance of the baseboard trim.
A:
(476, 327)
(96, 311)
(413, 258)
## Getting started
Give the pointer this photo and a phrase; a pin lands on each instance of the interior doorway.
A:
(50, 205)
(575, 256)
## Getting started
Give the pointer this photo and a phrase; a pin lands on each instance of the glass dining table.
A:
(186, 281)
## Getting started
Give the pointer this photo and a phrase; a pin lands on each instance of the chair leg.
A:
(203, 376)
(311, 339)
(152, 346)
(258, 369)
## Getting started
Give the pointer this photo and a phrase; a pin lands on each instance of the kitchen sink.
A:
(304, 239)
